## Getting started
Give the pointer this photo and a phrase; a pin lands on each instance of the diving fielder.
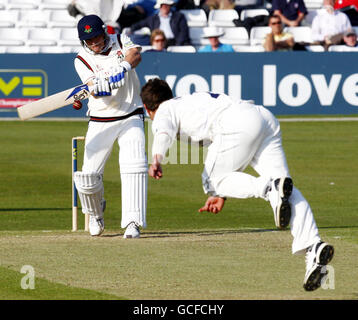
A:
(106, 63)
(239, 134)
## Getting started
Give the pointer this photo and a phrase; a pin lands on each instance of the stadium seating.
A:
(315, 48)
(300, 34)
(57, 32)
(258, 34)
(68, 37)
(342, 48)
(182, 49)
(222, 18)
(8, 19)
(13, 37)
(61, 19)
(57, 49)
(33, 19)
(195, 34)
(195, 17)
(22, 4)
(249, 3)
(249, 13)
(21, 49)
(235, 36)
(42, 37)
(244, 48)
(53, 4)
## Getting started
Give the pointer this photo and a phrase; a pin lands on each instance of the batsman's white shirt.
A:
(239, 134)
(124, 99)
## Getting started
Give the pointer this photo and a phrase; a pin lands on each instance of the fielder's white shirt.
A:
(124, 99)
(326, 24)
(191, 116)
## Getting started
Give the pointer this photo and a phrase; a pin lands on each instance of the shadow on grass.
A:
(168, 234)
(31, 209)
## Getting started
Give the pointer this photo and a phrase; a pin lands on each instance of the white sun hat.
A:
(212, 32)
(160, 2)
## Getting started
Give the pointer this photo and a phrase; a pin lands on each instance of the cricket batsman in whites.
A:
(239, 134)
(107, 64)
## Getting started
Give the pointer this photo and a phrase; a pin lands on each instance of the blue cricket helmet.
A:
(90, 26)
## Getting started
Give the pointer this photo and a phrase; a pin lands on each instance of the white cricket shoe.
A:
(132, 231)
(96, 226)
(281, 190)
(317, 256)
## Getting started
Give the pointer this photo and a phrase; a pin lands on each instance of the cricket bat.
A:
(53, 102)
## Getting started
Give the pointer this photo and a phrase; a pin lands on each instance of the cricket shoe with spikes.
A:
(132, 231)
(96, 225)
(317, 257)
(281, 190)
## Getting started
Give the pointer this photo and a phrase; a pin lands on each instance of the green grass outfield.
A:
(182, 254)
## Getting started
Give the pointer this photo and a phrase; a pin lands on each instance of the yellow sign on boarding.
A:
(21, 86)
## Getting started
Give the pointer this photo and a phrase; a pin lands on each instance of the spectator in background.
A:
(158, 41)
(108, 10)
(213, 34)
(329, 25)
(350, 41)
(173, 24)
(291, 12)
(350, 8)
(278, 40)
(135, 12)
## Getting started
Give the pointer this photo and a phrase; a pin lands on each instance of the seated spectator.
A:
(173, 24)
(136, 12)
(291, 12)
(350, 40)
(108, 10)
(329, 25)
(158, 41)
(350, 8)
(208, 5)
(278, 40)
(213, 34)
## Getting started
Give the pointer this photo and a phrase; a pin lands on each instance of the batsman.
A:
(107, 62)
(238, 134)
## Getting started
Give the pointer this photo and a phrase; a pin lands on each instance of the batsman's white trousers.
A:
(251, 136)
(130, 136)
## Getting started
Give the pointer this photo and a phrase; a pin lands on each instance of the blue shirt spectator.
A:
(291, 12)
(221, 48)
(213, 34)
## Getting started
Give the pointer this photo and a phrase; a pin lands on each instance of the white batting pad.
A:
(132, 156)
(134, 198)
(90, 191)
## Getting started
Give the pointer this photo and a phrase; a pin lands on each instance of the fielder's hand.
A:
(77, 104)
(213, 204)
(155, 170)
(116, 78)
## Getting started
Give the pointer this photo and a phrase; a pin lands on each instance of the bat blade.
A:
(53, 102)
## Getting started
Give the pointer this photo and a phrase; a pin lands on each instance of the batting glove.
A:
(116, 78)
(101, 87)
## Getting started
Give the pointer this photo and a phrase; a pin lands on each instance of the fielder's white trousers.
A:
(130, 136)
(252, 136)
